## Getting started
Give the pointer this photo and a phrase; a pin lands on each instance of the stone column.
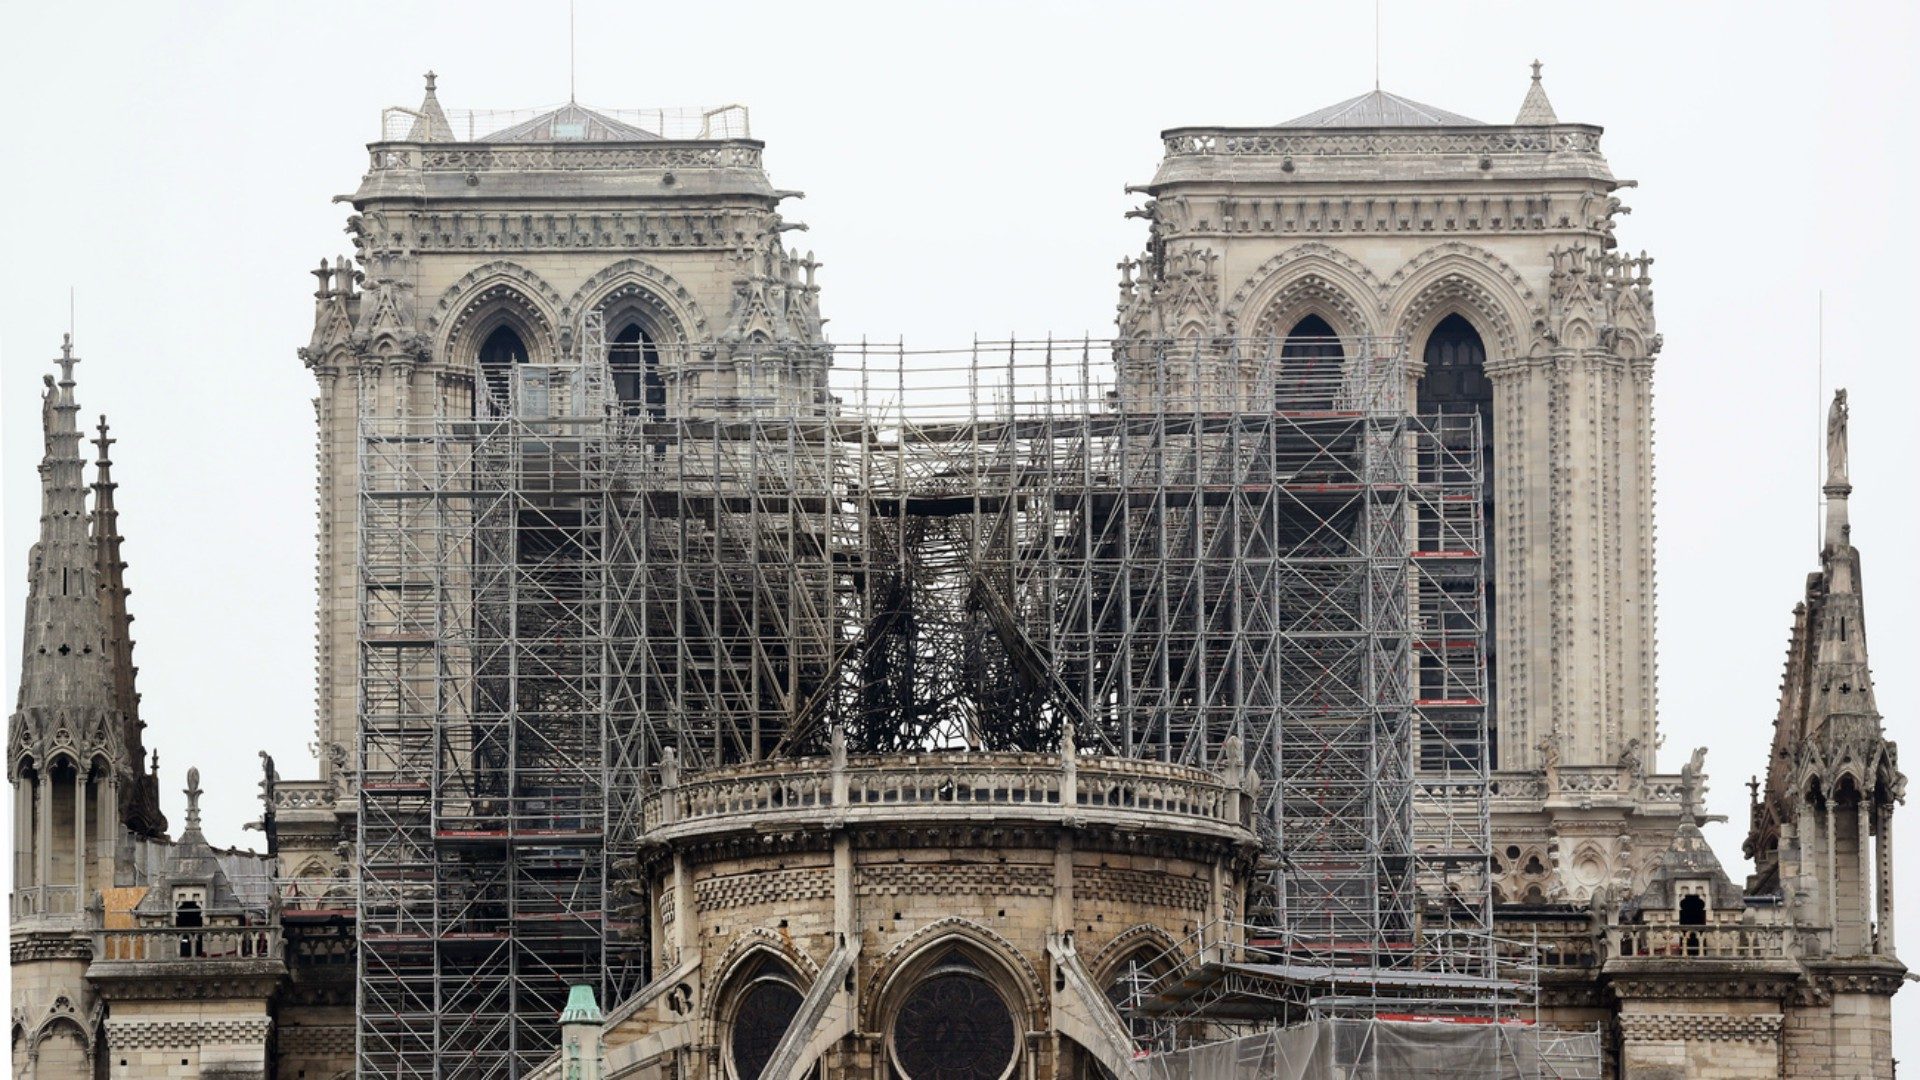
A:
(43, 853)
(1863, 873)
(1883, 853)
(80, 838)
(22, 833)
(1833, 879)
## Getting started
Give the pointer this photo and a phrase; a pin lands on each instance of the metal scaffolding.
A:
(1169, 550)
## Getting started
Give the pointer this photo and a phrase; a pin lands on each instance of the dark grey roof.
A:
(1379, 109)
(570, 123)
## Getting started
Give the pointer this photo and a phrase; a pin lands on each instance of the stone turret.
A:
(1821, 832)
(67, 757)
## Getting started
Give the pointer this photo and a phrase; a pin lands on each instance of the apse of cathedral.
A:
(1265, 690)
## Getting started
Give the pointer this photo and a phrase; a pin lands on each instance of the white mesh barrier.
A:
(1381, 1049)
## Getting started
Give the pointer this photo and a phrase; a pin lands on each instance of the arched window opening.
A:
(635, 362)
(1455, 385)
(501, 350)
(1129, 988)
(1311, 360)
(953, 1025)
(766, 1004)
(1693, 911)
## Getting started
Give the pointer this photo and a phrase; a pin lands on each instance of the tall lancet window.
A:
(1455, 383)
(635, 363)
(1310, 363)
(501, 350)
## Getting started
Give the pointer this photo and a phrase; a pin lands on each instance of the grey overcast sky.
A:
(175, 164)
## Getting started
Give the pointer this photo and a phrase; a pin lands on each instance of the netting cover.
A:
(1376, 1050)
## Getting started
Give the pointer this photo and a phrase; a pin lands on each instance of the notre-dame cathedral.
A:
(1266, 690)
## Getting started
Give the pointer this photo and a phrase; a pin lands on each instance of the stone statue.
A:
(1837, 440)
(1693, 788)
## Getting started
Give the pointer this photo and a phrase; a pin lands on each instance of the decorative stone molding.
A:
(692, 228)
(1460, 278)
(766, 887)
(498, 282)
(950, 880)
(953, 930)
(187, 1034)
(1668, 1027)
(1304, 278)
(316, 1040)
(676, 315)
(402, 157)
(1579, 141)
(1142, 936)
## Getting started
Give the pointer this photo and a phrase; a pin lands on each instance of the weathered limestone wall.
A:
(188, 1040)
(1704, 1040)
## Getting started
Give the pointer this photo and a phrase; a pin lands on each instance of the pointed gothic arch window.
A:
(1454, 386)
(500, 351)
(764, 1005)
(954, 1024)
(1310, 366)
(634, 360)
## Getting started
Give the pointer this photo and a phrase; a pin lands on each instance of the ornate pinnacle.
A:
(192, 793)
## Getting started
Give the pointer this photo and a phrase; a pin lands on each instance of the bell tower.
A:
(1484, 255)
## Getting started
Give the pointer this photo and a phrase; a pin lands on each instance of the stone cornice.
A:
(1692, 978)
(187, 980)
(1872, 975)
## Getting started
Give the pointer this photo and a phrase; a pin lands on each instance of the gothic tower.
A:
(1822, 830)
(1487, 253)
(82, 802)
(508, 269)
(482, 249)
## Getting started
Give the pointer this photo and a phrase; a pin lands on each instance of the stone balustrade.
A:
(302, 795)
(1566, 140)
(174, 943)
(962, 786)
(583, 157)
(1670, 940)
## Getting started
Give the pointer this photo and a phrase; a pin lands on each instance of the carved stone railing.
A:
(148, 944)
(302, 795)
(1579, 140)
(37, 900)
(1549, 944)
(440, 157)
(956, 786)
(1669, 940)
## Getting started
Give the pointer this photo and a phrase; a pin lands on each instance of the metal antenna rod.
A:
(1376, 46)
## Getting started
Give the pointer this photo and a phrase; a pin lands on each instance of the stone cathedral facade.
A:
(841, 933)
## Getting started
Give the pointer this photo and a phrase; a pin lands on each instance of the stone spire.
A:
(140, 801)
(1536, 109)
(66, 697)
(429, 120)
(1842, 682)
